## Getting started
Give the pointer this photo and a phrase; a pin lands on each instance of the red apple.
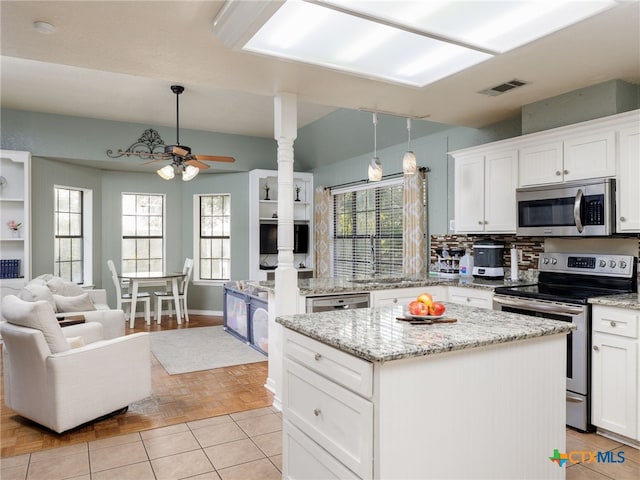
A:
(437, 309)
(418, 308)
(426, 298)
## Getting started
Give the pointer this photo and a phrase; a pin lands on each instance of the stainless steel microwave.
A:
(578, 209)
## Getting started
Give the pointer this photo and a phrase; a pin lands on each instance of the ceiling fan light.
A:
(166, 172)
(189, 172)
(409, 165)
(375, 170)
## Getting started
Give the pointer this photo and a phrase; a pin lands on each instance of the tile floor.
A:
(239, 446)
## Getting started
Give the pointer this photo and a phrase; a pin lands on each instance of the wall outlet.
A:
(452, 225)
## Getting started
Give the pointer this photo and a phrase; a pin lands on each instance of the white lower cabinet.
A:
(473, 297)
(323, 396)
(404, 296)
(615, 370)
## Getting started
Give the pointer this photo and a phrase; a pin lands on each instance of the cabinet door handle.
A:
(317, 356)
(479, 222)
(566, 172)
(486, 222)
(558, 173)
(596, 348)
(612, 323)
(395, 300)
(623, 219)
(317, 412)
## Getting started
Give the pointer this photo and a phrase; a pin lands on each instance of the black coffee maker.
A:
(488, 259)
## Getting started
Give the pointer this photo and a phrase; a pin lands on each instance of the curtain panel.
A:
(322, 232)
(414, 222)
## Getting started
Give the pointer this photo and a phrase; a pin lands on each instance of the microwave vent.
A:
(503, 88)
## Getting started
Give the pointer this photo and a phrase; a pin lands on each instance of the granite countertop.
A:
(330, 286)
(625, 300)
(374, 334)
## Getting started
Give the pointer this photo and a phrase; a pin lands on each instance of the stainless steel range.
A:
(565, 284)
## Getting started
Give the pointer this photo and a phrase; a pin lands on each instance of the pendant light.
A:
(409, 166)
(375, 166)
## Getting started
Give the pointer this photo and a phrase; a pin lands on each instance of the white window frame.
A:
(87, 232)
(164, 225)
(196, 240)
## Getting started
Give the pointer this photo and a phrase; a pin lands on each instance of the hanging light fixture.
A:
(166, 172)
(375, 166)
(409, 165)
(189, 172)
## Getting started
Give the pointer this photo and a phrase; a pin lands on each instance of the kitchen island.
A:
(368, 396)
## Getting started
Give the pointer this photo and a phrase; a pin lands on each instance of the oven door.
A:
(578, 404)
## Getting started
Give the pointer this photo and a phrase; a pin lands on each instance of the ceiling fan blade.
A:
(196, 163)
(153, 161)
(214, 158)
(179, 151)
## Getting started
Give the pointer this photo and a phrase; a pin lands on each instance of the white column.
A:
(286, 275)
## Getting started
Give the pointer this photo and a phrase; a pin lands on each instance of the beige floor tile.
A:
(15, 461)
(259, 469)
(81, 477)
(117, 456)
(233, 453)
(18, 472)
(277, 461)
(269, 443)
(161, 432)
(257, 412)
(137, 471)
(580, 472)
(215, 435)
(261, 425)
(210, 422)
(627, 470)
(62, 467)
(206, 476)
(113, 441)
(171, 444)
(55, 453)
(182, 465)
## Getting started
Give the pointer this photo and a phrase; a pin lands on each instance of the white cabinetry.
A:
(615, 370)
(577, 157)
(473, 297)
(485, 185)
(263, 209)
(404, 296)
(15, 205)
(628, 180)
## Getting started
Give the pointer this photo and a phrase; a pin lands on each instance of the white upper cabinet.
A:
(572, 158)
(485, 186)
(628, 180)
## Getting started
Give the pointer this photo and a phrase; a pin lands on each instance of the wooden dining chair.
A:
(167, 295)
(126, 297)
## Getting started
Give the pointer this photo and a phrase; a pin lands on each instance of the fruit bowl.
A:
(422, 317)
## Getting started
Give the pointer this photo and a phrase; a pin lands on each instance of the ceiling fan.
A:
(180, 155)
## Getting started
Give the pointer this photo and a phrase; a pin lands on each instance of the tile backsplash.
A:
(532, 247)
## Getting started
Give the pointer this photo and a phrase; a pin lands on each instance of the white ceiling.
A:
(115, 60)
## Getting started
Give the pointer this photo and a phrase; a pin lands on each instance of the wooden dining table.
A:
(141, 278)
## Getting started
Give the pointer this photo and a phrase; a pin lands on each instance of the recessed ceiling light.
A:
(43, 27)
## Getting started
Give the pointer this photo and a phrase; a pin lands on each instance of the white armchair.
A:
(60, 387)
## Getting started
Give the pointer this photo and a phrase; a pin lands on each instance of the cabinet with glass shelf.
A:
(263, 200)
(15, 244)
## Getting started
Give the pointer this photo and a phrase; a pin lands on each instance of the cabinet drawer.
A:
(352, 372)
(617, 321)
(471, 296)
(335, 418)
(303, 458)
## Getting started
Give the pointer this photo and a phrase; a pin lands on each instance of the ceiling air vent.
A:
(503, 88)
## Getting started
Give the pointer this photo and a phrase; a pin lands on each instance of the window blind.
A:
(367, 230)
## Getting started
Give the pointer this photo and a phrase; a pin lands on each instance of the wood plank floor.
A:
(175, 399)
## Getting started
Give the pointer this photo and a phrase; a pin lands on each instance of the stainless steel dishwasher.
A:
(325, 303)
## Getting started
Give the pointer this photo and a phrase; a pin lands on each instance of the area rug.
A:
(194, 349)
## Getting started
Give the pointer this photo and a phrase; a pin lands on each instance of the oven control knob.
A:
(622, 264)
(554, 261)
(602, 263)
(612, 263)
(545, 260)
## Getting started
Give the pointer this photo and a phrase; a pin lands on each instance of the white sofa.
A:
(68, 300)
(64, 377)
